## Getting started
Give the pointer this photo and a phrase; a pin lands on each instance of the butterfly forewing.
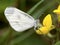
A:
(19, 20)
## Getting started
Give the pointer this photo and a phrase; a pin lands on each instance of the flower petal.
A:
(47, 22)
(57, 10)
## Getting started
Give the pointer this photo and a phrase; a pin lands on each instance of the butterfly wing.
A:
(18, 20)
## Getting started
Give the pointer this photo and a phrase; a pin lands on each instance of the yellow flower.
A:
(46, 27)
(57, 11)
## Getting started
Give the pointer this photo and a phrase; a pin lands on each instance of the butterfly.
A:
(21, 21)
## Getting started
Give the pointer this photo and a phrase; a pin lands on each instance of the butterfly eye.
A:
(37, 27)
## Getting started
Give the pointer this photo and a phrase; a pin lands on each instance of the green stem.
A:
(34, 7)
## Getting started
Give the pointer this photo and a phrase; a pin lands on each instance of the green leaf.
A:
(55, 19)
(42, 10)
(35, 6)
(22, 37)
(6, 3)
(58, 1)
(57, 43)
(4, 37)
(34, 39)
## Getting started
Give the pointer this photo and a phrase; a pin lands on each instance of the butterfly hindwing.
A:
(18, 20)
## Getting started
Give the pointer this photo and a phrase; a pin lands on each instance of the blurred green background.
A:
(36, 8)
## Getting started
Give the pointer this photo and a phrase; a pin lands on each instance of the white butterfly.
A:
(19, 20)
